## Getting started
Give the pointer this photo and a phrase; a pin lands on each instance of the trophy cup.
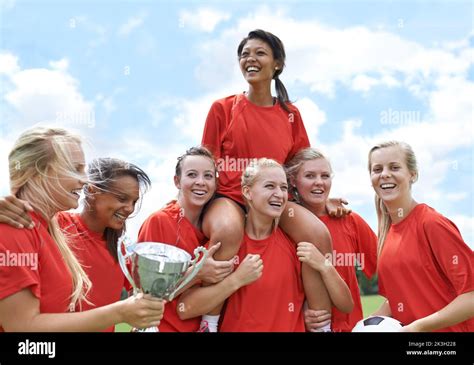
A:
(158, 269)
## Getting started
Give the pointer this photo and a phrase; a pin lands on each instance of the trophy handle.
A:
(122, 258)
(195, 270)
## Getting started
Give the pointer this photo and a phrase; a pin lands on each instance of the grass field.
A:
(122, 327)
(369, 304)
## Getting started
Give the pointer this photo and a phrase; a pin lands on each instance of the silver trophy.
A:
(158, 269)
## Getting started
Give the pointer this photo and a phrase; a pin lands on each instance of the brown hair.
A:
(103, 173)
(279, 55)
(194, 151)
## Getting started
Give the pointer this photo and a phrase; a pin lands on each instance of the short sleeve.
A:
(214, 129)
(19, 262)
(453, 257)
(300, 137)
(366, 244)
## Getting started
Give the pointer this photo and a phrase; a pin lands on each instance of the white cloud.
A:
(131, 24)
(312, 116)
(363, 83)
(189, 114)
(348, 158)
(61, 65)
(8, 64)
(455, 197)
(204, 19)
(48, 96)
(466, 227)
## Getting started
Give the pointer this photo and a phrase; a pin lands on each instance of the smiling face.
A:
(257, 62)
(197, 182)
(268, 194)
(67, 185)
(390, 176)
(111, 208)
(313, 182)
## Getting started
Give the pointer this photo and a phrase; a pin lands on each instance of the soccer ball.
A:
(377, 324)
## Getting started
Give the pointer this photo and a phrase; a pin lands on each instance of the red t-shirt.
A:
(170, 226)
(274, 302)
(352, 239)
(102, 269)
(237, 131)
(424, 266)
(29, 258)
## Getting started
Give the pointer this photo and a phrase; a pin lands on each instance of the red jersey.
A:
(352, 240)
(274, 302)
(102, 269)
(425, 265)
(170, 226)
(29, 258)
(237, 131)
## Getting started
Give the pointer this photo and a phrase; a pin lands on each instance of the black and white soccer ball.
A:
(377, 324)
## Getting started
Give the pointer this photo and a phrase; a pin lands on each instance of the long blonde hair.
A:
(384, 220)
(37, 158)
(294, 165)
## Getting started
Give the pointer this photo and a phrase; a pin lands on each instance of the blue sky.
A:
(136, 79)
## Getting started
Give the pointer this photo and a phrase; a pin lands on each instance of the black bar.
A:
(379, 348)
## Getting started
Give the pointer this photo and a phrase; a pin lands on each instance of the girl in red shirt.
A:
(310, 175)
(270, 300)
(47, 170)
(249, 126)
(179, 224)
(425, 268)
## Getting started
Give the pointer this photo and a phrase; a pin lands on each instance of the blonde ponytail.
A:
(384, 222)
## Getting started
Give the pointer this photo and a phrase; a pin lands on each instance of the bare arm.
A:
(337, 288)
(201, 300)
(459, 310)
(20, 313)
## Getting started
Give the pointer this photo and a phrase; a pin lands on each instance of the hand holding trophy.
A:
(158, 269)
